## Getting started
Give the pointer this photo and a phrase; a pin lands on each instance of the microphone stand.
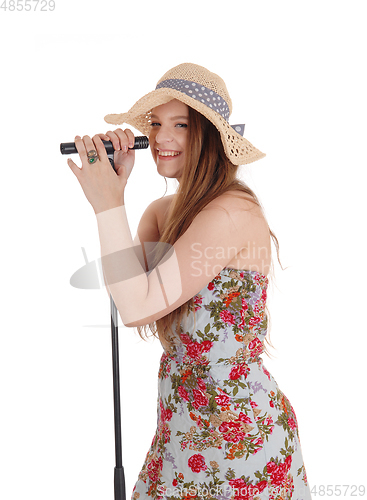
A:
(119, 476)
(141, 142)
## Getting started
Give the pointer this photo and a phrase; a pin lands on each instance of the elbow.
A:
(130, 325)
(133, 324)
(139, 321)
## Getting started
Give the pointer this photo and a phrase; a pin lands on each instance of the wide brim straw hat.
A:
(203, 91)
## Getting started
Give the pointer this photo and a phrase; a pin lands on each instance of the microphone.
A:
(68, 148)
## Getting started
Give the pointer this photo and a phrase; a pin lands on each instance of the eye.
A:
(181, 125)
(154, 124)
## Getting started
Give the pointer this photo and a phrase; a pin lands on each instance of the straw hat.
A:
(202, 90)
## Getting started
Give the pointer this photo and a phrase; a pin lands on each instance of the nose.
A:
(163, 135)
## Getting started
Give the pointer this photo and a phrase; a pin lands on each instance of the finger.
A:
(123, 138)
(89, 145)
(131, 137)
(80, 146)
(104, 137)
(114, 139)
(74, 168)
(99, 146)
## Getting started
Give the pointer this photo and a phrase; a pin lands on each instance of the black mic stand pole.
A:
(119, 476)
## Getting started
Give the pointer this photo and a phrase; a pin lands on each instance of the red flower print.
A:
(200, 399)
(198, 300)
(211, 286)
(237, 371)
(259, 441)
(256, 347)
(197, 463)
(279, 472)
(271, 404)
(185, 338)
(279, 476)
(154, 468)
(206, 345)
(254, 320)
(201, 384)
(245, 491)
(291, 423)
(194, 350)
(256, 489)
(175, 482)
(183, 393)
(222, 399)
(270, 467)
(244, 418)
(227, 317)
(294, 413)
(232, 431)
(239, 487)
(237, 483)
(269, 420)
(261, 486)
(168, 414)
(266, 373)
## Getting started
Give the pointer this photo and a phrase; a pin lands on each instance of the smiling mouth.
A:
(168, 153)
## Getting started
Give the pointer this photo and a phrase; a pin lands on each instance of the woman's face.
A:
(168, 137)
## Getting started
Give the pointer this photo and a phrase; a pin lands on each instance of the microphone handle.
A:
(68, 148)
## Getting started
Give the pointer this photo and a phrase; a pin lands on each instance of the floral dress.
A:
(225, 430)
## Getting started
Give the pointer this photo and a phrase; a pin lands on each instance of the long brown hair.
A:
(207, 174)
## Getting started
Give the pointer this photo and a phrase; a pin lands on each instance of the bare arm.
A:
(147, 232)
(214, 237)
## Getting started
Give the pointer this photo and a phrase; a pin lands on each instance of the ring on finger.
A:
(92, 156)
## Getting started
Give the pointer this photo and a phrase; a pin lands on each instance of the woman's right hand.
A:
(121, 140)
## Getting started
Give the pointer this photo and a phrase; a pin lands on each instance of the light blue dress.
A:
(225, 430)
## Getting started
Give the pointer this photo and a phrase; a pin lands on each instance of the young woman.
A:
(225, 429)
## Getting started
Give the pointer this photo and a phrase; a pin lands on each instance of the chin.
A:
(168, 175)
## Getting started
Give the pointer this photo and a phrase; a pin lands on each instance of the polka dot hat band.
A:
(203, 91)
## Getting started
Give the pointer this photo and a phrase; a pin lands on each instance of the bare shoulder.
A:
(251, 226)
(164, 201)
(161, 205)
(234, 200)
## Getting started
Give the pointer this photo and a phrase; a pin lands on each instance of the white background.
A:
(296, 75)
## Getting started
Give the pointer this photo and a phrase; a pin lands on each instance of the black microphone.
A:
(68, 148)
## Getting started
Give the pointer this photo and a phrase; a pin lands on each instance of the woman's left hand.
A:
(102, 186)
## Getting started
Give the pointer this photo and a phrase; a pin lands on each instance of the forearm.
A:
(124, 276)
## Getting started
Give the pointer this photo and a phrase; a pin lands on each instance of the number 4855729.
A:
(28, 5)
(350, 490)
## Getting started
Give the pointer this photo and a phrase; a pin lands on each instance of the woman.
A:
(225, 430)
